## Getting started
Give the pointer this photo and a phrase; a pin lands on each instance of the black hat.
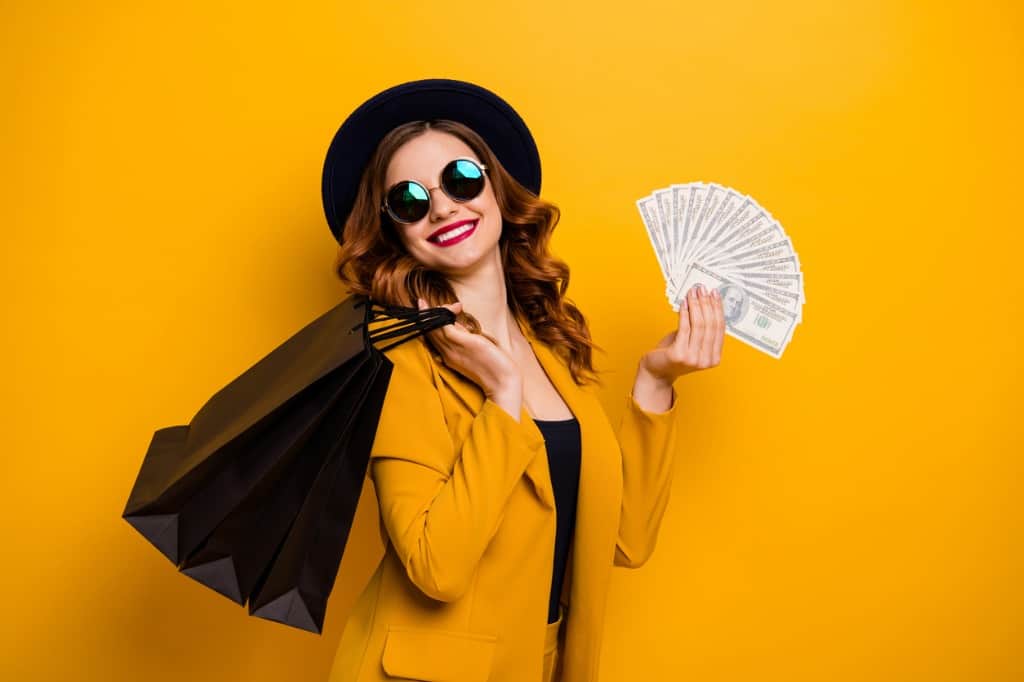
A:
(488, 115)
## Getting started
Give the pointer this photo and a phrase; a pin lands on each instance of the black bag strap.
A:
(413, 321)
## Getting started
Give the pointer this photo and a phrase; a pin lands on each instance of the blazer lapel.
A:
(472, 396)
(558, 374)
(597, 516)
(597, 508)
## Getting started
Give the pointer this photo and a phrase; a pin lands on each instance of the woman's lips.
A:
(455, 240)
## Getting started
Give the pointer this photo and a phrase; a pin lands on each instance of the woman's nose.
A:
(441, 205)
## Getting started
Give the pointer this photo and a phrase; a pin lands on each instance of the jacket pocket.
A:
(438, 655)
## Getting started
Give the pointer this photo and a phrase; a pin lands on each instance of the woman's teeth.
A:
(451, 234)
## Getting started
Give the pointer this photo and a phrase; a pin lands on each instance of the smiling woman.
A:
(399, 262)
(429, 240)
(505, 495)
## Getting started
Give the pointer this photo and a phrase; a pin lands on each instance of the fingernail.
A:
(685, 305)
(714, 292)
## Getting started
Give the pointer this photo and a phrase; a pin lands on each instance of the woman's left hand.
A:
(696, 344)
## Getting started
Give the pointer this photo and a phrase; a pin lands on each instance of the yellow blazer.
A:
(468, 517)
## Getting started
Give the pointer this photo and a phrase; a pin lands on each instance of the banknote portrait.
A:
(734, 302)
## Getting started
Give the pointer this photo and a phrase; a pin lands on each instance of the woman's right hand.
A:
(478, 358)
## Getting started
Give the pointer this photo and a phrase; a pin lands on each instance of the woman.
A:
(505, 495)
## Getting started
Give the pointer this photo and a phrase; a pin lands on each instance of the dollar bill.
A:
(648, 207)
(749, 316)
(710, 231)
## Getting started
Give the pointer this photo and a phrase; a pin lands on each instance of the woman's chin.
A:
(465, 260)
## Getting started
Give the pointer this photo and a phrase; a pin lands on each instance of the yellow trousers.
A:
(552, 650)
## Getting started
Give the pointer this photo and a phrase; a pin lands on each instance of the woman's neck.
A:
(484, 295)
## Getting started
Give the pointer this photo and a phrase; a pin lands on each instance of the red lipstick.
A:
(433, 238)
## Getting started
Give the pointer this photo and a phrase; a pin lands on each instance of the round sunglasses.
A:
(408, 201)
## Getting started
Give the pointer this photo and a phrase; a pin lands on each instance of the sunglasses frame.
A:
(387, 208)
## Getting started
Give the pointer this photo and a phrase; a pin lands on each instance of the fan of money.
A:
(704, 233)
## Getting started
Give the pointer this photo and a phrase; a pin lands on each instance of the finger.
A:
(440, 335)
(455, 308)
(719, 327)
(457, 333)
(459, 339)
(696, 322)
(708, 341)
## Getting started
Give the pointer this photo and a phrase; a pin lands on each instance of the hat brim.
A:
(486, 113)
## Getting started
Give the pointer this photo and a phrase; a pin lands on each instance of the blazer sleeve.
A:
(441, 507)
(648, 444)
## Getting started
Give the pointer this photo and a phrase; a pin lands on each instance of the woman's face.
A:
(421, 159)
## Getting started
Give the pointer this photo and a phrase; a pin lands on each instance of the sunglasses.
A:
(409, 202)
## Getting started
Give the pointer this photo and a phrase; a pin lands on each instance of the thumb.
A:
(454, 307)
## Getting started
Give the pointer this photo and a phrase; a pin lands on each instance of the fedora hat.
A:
(486, 113)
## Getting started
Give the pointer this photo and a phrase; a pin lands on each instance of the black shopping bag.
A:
(255, 497)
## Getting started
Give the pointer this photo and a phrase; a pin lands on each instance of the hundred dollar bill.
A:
(687, 200)
(663, 200)
(783, 265)
(712, 197)
(727, 206)
(741, 233)
(785, 299)
(749, 317)
(648, 208)
(663, 197)
(700, 197)
(791, 282)
(747, 219)
(763, 231)
(741, 212)
(750, 259)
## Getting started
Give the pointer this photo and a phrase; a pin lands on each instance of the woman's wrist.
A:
(651, 392)
(509, 396)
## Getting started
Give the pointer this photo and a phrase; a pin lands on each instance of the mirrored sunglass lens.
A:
(408, 201)
(463, 179)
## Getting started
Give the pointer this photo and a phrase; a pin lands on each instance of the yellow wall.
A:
(850, 512)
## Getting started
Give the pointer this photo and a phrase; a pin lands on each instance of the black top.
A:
(563, 444)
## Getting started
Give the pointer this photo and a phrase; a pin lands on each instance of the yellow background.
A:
(849, 512)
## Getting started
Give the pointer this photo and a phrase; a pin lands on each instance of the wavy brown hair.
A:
(372, 260)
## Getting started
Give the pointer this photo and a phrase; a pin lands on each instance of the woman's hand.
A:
(695, 345)
(476, 357)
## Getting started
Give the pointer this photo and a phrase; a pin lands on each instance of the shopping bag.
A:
(303, 573)
(255, 496)
(233, 558)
